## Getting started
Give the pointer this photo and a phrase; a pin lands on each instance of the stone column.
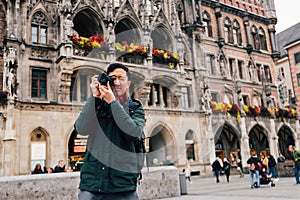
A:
(245, 150)
(199, 12)
(246, 24)
(210, 140)
(144, 94)
(9, 142)
(272, 39)
(185, 12)
(161, 96)
(273, 138)
(219, 22)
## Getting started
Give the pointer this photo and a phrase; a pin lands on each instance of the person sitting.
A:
(37, 169)
(60, 167)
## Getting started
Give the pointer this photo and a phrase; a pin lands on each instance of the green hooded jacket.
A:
(110, 162)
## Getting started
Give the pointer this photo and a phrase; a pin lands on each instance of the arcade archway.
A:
(161, 147)
(285, 138)
(227, 143)
(258, 139)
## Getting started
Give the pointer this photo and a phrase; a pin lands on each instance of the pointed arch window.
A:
(207, 24)
(237, 35)
(262, 39)
(190, 146)
(228, 31)
(39, 28)
(255, 38)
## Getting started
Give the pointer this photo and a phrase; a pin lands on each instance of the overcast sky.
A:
(288, 13)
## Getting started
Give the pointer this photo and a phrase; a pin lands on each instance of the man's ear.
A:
(128, 83)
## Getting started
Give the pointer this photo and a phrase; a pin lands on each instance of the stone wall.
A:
(157, 182)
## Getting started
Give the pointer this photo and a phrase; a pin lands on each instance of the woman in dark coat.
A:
(226, 168)
(216, 167)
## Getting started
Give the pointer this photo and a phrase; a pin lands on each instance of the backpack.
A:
(252, 167)
(140, 151)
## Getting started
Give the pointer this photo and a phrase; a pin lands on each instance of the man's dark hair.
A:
(114, 66)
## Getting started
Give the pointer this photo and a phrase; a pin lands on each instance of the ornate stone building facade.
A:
(187, 59)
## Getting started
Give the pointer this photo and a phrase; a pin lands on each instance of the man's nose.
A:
(117, 81)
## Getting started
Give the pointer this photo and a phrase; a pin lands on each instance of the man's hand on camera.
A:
(95, 86)
(106, 93)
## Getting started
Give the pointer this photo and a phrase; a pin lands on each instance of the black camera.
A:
(103, 79)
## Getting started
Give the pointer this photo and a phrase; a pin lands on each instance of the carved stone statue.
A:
(223, 70)
(11, 82)
(68, 27)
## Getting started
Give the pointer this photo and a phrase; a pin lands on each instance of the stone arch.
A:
(88, 23)
(162, 38)
(127, 30)
(39, 147)
(76, 149)
(286, 137)
(227, 142)
(259, 139)
(162, 145)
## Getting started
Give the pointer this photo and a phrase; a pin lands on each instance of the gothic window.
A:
(262, 39)
(228, 31)
(255, 38)
(237, 35)
(185, 98)
(117, 3)
(207, 24)
(210, 64)
(39, 84)
(231, 67)
(39, 28)
(190, 147)
(258, 70)
(241, 69)
(268, 74)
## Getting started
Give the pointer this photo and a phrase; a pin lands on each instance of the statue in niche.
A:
(206, 99)
(68, 27)
(11, 82)
(222, 67)
(251, 71)
(110, 35)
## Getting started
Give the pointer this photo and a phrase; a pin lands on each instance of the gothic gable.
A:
(126, 10)
(161, 19)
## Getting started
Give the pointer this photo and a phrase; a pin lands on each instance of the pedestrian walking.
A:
(216, 167)
(240, 167)
(187, 171)
(114, 123)
(226, 168)
(271, 164)
(296, 157)
(254, 169)
(221, 164)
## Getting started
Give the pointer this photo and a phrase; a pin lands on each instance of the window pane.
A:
(43, 35)
(34, 34)
(297, 57)
(298, 79)
(39, 84)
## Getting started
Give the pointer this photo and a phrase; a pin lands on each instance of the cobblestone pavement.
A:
(239, 189)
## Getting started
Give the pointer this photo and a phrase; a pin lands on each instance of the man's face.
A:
(120, 80)
(291, 149)
(61, 164)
